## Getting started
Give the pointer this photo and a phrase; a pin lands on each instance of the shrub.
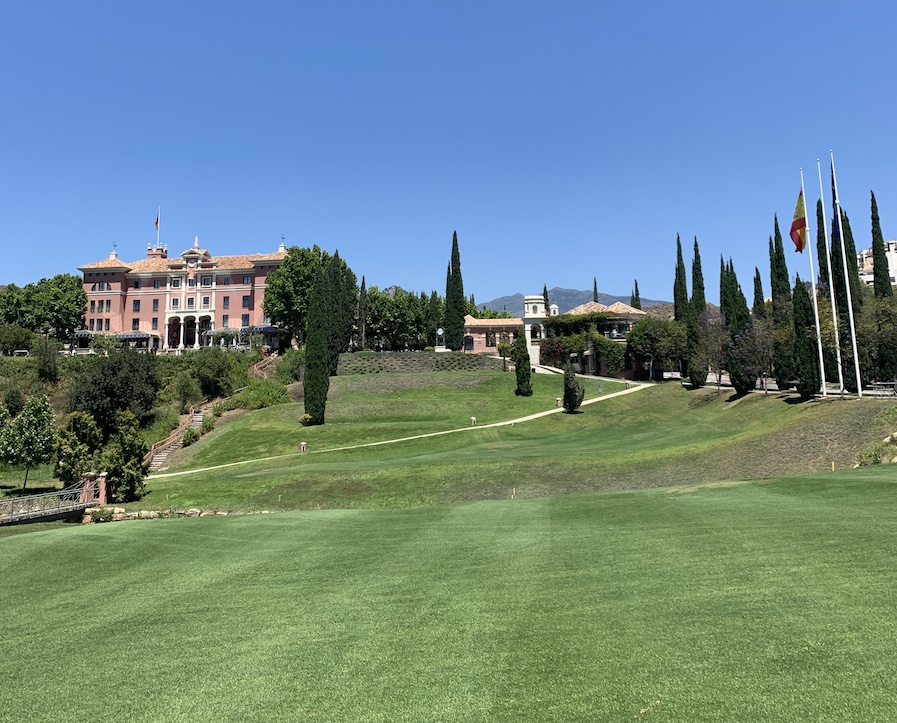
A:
(262, 393)
(208, 424)
(13, 401)
(290, 366)
(191, 435)
(306, 420)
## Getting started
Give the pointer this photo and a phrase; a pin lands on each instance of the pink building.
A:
(177, 303)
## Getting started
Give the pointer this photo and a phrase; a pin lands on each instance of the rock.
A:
(118, 516)
(147, 514)
(207, 513)
(221, 513)
(193, 512)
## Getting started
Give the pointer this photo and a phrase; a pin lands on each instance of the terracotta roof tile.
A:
(159, 265)
(471, 323)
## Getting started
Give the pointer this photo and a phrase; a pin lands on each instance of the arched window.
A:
(535, 333)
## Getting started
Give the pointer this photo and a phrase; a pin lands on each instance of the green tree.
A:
(317, 355)
(106, 385)
(187, 390)
(573, 391)
(635, 301)
(878, 329)
(55, 306)
(454, 300)
(122, 460)
(29, 439)
(522, 368)
(14, 337)
(880, 271)
(742, 370)
(289, 288)
(594, 289)
(76, 448)
(13, 401)
(545, 298)
(806, 361)
(212, 368)
(653, 340)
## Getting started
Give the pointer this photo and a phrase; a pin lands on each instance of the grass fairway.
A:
(748, 602)
(665, 435)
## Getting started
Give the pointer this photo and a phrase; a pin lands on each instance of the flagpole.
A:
(803, 196)
(853, 333)
(158, 224)
(831, 286)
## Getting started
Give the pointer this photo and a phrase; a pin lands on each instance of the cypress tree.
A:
(573, 391)
(316, 383)
(742, 369)
(697, 370)
(853, 269)
(522, 368)
(821, 248)
(595, 289)
(680, 286)
(635, 301)
(881, 272)
(782, 313)
(455, 305)
(781, 285)
(759, 308)
(545, 297)
(806, 362)
(362, 313)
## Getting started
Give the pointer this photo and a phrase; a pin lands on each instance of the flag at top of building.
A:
(158, 213)
(799, 224)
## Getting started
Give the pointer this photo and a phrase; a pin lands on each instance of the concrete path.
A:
(636, 386)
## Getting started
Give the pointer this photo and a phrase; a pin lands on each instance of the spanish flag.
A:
(799, 224)
(157, 220)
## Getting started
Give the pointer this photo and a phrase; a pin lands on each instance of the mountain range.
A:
(566, 299)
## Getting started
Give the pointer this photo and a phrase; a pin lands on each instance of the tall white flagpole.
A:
(853, 333)
(831, 284)
(813, 284)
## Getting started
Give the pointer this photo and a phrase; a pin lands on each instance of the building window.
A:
(175, 283)
(245, 320)
(206, 302)
(106, 325)
(155, 323)
(93, 307)
(490, 338)
(206, 280)
(136, 306)
(157, 283)
(135, 324)
(246, 302)
(108, 305)
(91, 325)
(224, 321)
(175, 303)
(155, 304)
(136, 283)
(191, 302)
(225, 302)
(224, 280)
(247, 280)
(191, 282)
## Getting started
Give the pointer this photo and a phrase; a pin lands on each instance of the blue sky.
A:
(563, 141)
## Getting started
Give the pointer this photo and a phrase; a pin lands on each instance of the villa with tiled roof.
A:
(177, 302)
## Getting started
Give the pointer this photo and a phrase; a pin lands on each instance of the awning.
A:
(133, 335)
(84, 333)
(267, 328)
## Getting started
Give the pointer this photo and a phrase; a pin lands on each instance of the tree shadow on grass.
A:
(15, 490)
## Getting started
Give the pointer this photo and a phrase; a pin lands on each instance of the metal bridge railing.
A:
(77, 497)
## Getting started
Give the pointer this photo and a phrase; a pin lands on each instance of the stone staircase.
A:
(159, 460)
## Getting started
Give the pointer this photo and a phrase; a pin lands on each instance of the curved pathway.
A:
(636, 386)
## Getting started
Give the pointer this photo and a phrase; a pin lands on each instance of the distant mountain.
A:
(566, 299)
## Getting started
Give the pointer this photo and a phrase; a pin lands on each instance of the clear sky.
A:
(563, 141)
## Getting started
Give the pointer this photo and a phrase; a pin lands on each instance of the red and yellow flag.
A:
(157, 222)
(799, 224)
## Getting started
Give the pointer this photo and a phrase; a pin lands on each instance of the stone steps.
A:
(160, 458)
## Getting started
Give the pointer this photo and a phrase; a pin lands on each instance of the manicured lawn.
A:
(662, 436)
(764, 601)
